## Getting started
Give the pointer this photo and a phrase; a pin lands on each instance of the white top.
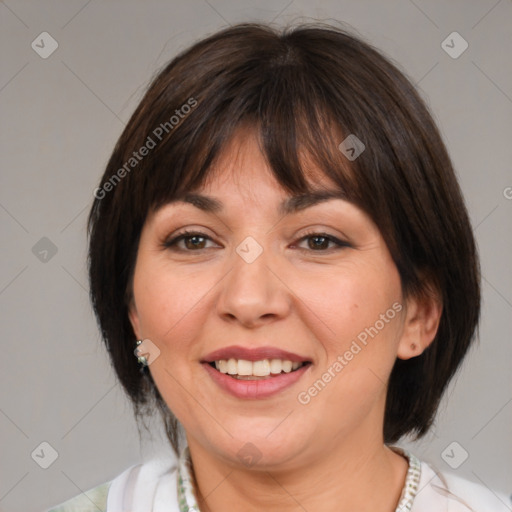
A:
(163, 486)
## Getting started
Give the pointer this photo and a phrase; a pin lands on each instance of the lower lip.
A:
(254, 389)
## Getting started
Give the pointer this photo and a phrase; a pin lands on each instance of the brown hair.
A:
(304, 90)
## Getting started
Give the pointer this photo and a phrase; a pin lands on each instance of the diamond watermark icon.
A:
(249, 454)
(45, 455)
(44, 45)
(148, 350)
(454, 455)
(352, 147)
(249, 249)
(44, 250)
(454, 45)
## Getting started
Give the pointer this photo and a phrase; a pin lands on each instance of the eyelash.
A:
(171, 244)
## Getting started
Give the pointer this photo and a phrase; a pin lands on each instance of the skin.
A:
(200, 295)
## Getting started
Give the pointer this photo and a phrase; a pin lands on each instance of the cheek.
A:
(363, 313)
(345, 304)
(165, 300)
(170, 304)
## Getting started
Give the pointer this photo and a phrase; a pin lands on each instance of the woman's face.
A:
(256, 284)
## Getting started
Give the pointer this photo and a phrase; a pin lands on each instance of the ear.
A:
(422, 317)
(133, 315)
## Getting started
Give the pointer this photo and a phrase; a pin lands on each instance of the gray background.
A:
(60, 119)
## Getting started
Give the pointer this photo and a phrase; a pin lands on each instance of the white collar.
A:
(151, 486)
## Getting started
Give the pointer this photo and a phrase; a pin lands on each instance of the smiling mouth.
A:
(242, 369)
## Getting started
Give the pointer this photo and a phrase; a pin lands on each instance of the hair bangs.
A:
(296, 129)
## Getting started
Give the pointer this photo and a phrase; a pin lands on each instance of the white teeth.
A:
(275, 366)
(287, 366)
(222, 366)
(244, 367)
(262, 368)
(232, 366)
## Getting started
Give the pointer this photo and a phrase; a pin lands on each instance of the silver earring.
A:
(143, 360)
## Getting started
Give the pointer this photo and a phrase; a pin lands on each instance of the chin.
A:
(261, 452)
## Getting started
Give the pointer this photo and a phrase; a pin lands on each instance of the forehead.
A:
(242, 168)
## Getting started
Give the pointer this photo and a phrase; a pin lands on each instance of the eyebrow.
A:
(288, 206)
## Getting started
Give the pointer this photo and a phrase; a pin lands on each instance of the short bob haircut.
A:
(304, 89)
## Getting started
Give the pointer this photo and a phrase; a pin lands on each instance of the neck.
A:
(351, 475)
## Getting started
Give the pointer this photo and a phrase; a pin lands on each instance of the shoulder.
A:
(446, 491)
(94, 500)
(139, 487)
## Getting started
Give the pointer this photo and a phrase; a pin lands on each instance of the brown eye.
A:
(192, 241)
(319, 242)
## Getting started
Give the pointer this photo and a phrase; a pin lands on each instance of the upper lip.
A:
(252, 354)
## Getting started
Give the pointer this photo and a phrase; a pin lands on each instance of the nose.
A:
(253, 293)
